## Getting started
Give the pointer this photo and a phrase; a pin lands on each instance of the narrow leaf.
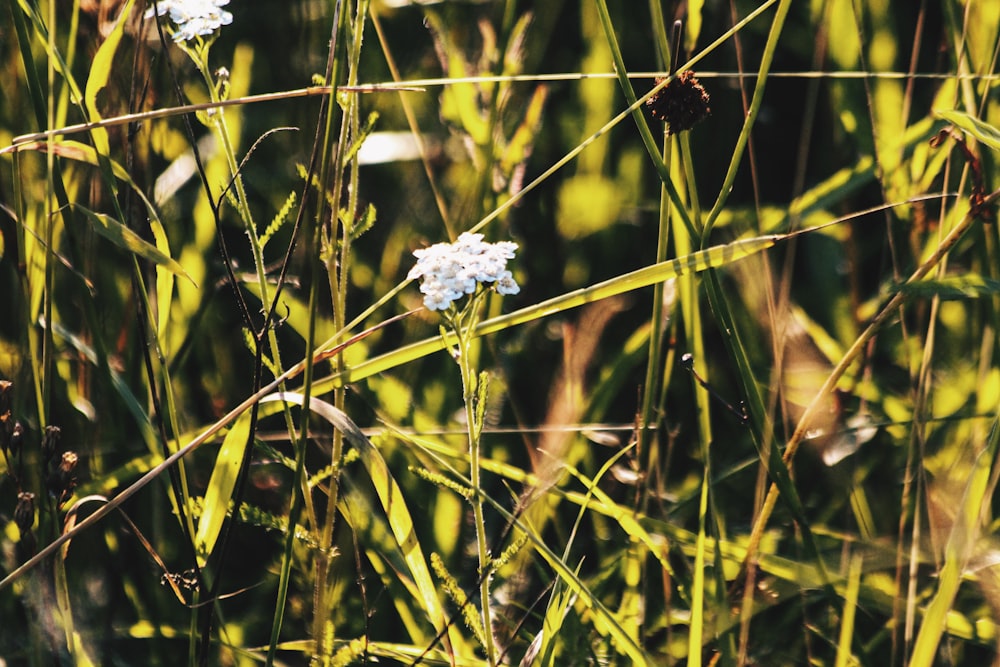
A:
(363, 133)
(220, 487)
(391, 497)
(80, 152)
(968, 286)
(844, 657)
(957, 552)
(164, 279)
(100, 71)
(984, 132)
(715, 256)
(125, 238)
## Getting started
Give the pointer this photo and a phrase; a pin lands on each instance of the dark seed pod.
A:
(6, 393)
(681, 103)
(16, 439)
(50, 442)
(62, 481)
(24, 512)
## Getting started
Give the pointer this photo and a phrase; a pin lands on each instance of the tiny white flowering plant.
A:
(192, 20)
(448, 272)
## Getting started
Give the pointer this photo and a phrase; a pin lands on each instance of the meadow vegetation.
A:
(708, 375)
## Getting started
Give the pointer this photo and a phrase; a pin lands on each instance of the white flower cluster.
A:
(450, 270)
(192, 17)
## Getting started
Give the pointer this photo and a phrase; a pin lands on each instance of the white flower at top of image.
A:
(192, 17)
(450, 270)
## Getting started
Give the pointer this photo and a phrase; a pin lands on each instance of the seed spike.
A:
(676, 40)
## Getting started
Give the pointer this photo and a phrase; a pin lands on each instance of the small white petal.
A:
(507, 285)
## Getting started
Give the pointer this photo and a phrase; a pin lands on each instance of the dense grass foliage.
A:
(735, 403)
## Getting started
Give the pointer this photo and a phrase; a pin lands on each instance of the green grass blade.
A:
(219, 493)
(100, 72)
(958, 551)
(751, 117)
(58, 62)
(391, 498)
(80, 152)
(699, 261)
(983, 132)
(603, 619)
(844, 657)
(125, 238)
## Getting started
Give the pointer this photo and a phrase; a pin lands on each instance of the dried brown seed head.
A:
(681, 103)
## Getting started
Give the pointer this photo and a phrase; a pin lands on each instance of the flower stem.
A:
(463, 325)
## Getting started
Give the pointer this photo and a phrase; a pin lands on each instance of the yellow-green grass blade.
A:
(391, 498)
(603, 619)
(81, 152)
(715, 256)
(219, 491)
(628, 521)
(761, 426)
(958, 550)
(659, 536)
(125, 238)
(58, 62)
(165, 271)
(370, 523)
(751, 116)
(100, 71)
(844, 657)
(547, 641)
(984, 132)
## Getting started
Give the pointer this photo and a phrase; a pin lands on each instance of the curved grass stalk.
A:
(390, 496)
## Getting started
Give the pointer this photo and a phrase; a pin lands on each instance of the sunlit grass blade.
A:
(755, 103)
(46, 41)
(984, 132)
(391, 498)
(100, 72)
(844, 656)
(219, 492)
(80, 152)
(370, 522)
(644, 277)
(959, 549)
(125, 238)
(203, 436)
(603, 619)
(546, 642)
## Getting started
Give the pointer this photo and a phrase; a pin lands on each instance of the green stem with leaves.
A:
(474, 388)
